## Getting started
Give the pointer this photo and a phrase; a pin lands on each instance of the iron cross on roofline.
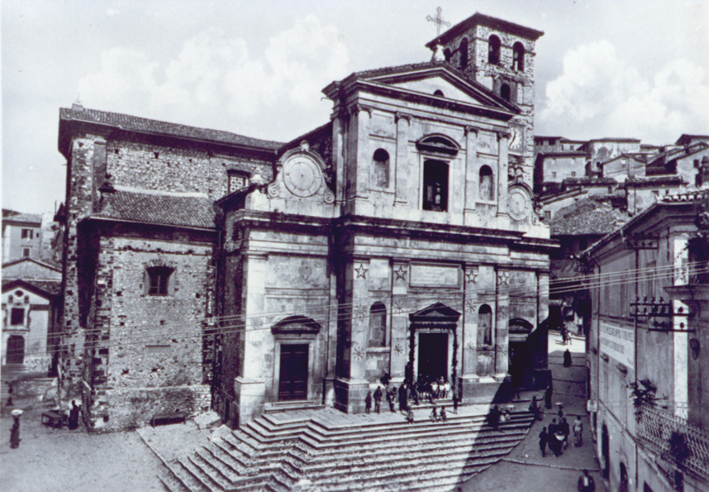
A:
(438, 20)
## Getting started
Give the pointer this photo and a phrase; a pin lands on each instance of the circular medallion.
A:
(302, 176)
(518, 205)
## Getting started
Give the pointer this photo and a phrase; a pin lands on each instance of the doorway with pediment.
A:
(433, 344)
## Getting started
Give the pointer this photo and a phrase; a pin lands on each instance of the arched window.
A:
(447, 54)
(485, 325)
(381, 168)
(518, 57)
(487, 190)
(439, 92)
(377, 325)
(464, 53)
(493, 50)
(505, 92)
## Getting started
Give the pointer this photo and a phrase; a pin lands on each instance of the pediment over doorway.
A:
(296, 325)
(438, 314)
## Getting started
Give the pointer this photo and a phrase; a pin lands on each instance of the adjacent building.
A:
(647, 369)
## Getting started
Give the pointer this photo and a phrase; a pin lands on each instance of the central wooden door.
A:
(293, 380)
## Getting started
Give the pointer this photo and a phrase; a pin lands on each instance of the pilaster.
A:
(399, 320)
(503, 139)
(403, 122)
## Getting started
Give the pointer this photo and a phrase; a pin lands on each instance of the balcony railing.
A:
(656, 427)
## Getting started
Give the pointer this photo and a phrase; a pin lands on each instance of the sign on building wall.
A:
(618, 342)
(423, 275)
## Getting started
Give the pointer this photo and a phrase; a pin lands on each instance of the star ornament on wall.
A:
(398, 349)
(471, 276)
(358, 352)
(400, 273)
(470, 346)
(361, 271)
(503, 277)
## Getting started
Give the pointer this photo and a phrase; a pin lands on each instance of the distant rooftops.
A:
(24, 218)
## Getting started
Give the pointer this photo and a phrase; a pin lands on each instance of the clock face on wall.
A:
(518, 205)
(302, 176)
(516, 139)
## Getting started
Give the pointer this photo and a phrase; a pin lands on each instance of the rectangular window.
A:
(553, 174)
(573, 174)
(27, 233)
(26, 252)
(159, 278)
(17, 316)
(435, 186)
(547, 214)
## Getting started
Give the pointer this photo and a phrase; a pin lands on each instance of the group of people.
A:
(438, 417)
(432, 390)
(557, 436)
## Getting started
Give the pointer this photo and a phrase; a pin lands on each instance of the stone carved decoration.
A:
(470, 306)
(328, 196)
(503, 277)
(274, 189)
(399, 307)
(361, 271)
(398, 349)
(471, 275)
(400, 273)
(357, 352)
(519, 205)
(470, 346)
(302, 176)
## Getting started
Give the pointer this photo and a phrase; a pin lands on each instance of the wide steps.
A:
(268, 455)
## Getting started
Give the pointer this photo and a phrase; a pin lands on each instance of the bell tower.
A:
(500, 56)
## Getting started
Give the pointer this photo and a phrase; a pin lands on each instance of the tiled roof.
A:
(151, 208)
(134, 123)
(35, 218)
(52, 287)
(587, 217)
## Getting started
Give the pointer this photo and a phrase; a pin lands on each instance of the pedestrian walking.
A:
(567, 358)
(378, 399)
(456, 401)
(15, 431)
(391, 395)
(368, 402)
(543, 439)
(586, 483)
(547, 395)
(493, 417)
(565, 431)
(534, 408)
(444, 415)
(577, 427)
(410, 415)
(74, 416)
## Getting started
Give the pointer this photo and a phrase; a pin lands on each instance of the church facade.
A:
(398, 241)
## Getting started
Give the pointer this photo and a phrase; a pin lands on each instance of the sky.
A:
(604, 68)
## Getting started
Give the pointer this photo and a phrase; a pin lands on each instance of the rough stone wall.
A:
(184, 169)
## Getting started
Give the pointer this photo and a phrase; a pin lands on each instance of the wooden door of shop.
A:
(293, 381)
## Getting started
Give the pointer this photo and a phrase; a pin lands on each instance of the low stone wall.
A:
(124, 409)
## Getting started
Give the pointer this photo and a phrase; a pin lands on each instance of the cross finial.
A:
(438, 20)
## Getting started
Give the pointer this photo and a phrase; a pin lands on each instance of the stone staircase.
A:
(276, 455)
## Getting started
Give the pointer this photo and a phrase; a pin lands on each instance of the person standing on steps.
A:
(543, 439)
(391, 394)
(15, 431)
(368, 402)
(378, 399)
(444, 415)
(74, 416)
(410, 415)
(403, 398)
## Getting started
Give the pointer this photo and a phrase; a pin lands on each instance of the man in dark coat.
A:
(543, 439)
(74, 416)
(378, 399)
(586, 483)
(368, 402)
(565, 430)
(403, 397)
(567, 358)
(391, 395)
(547, 395)
(15, 431)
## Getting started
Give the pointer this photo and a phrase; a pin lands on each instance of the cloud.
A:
(600, 95)
(216, 82)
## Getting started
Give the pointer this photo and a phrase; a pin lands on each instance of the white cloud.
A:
(216, 82)
(601, 95)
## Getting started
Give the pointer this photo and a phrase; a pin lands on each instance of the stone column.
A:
(501, 324)
(471, 173)
(503, 139)
(250, 387)
(399, 321)
(402, 172)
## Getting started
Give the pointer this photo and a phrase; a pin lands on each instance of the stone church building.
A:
(204, 268)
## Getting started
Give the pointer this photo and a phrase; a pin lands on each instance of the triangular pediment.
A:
(437, 312)
(439, 80)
